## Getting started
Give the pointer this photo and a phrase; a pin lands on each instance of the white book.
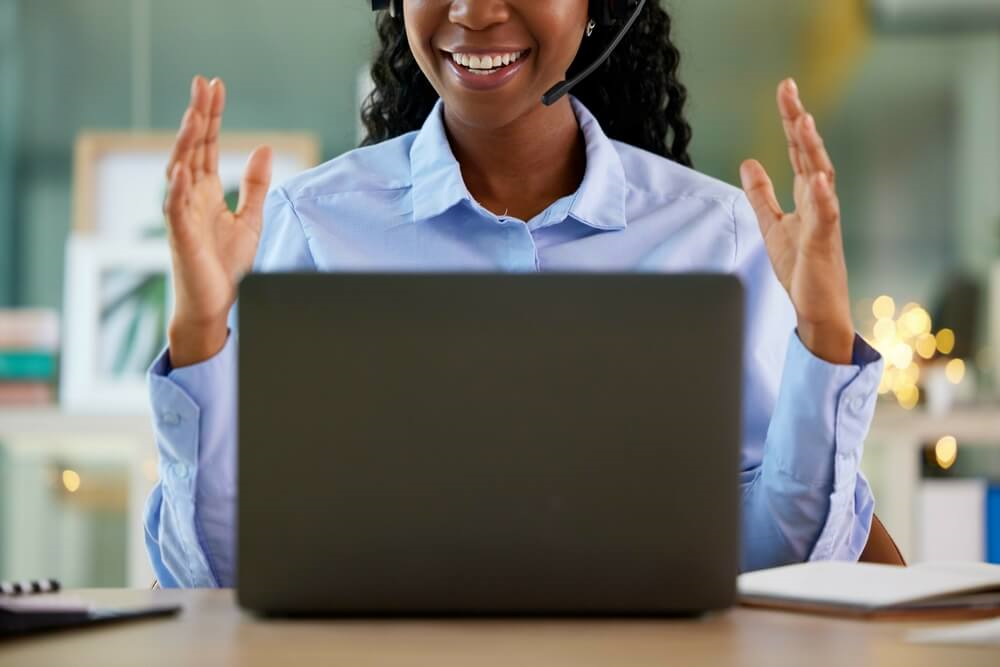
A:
(30, 328)
(866, 589)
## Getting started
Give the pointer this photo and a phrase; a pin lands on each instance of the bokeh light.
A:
(884, 308)
(926, 345)
(885, 330)
(901, 355)
(946, 341)
(908, 397)
(71, 480)
(906, 340)
(918, 322)
(888, 378)
(955, 371)
(911, 374)
(946, 452)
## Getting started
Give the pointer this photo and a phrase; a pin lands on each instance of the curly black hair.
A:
(636, 95)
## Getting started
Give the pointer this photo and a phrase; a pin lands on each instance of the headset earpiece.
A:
(395, 7)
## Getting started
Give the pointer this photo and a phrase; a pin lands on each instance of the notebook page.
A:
(866, 585)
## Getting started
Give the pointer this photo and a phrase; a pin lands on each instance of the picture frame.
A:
(119, 178)
(117, 286)
(117, 298)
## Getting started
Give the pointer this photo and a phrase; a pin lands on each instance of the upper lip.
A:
(471, 50)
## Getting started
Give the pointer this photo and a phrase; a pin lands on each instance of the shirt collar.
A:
(438, 184)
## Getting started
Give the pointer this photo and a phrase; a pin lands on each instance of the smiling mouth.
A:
(486, 64)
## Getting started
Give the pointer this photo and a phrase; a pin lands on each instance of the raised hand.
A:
(211, 247)
(806, 246)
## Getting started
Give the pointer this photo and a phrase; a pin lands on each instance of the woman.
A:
(470, 171)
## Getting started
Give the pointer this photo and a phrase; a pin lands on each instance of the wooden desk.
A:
(212, 631)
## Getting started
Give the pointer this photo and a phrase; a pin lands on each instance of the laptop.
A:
(543, 444)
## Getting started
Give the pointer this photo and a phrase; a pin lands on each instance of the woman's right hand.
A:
(211, 247)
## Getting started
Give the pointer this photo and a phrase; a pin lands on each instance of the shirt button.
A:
(858, 404)
(171, 418)
(180, 471)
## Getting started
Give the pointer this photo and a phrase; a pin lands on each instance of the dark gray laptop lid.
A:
(489, 443)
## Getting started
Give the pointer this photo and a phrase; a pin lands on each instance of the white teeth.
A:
(485, 63)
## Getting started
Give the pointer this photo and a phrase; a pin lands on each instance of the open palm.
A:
(211, 247)
(806, 246)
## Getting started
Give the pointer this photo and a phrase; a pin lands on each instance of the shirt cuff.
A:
(863, 354)
(826, 409)
(184, 397)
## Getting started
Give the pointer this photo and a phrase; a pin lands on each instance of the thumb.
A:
(256, 181)
(760, 191)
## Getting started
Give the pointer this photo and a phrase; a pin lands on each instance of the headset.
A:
(604, 13)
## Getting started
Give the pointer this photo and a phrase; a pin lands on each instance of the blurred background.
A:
(906, 92)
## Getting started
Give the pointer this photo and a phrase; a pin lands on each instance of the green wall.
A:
(290, 65)
(8, 132)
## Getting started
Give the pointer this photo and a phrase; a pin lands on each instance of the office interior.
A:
(909, 107)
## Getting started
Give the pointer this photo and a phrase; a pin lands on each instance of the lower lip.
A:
(485, 81)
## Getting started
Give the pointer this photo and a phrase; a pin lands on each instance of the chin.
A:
(489, 111)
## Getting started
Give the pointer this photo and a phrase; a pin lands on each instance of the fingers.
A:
(825, 202)
(805, 145)
(192, 128)
(203, 111)
(176, 205)
(216, 109)
(760, 191)
(253, 190)
(792, 111)
(817, 160)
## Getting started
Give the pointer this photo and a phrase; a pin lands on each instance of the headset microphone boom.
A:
(604, 12)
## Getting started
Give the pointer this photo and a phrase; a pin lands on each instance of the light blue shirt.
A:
(403, 206)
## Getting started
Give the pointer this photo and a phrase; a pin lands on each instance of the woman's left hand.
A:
(806, 246)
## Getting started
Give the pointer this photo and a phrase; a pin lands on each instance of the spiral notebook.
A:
(28, 608)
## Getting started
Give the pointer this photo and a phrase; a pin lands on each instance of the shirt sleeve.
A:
(190, 516)
(805, 422)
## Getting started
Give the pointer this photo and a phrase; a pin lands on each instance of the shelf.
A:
(50, 420)
(974, 425)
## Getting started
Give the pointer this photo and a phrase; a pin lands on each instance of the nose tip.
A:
(478, 14)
